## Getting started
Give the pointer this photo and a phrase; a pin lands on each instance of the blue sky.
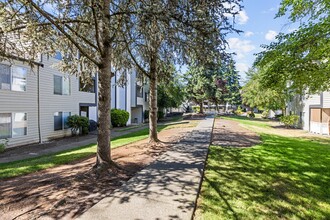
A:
(259, 26)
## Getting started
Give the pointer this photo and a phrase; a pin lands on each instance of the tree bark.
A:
(153, 109)
(103, 156)
(201, 110)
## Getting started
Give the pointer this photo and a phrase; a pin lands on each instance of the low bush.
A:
(238, 111)
(3, 144)
(290, 120)
(196, 109)
(160, 114)
(250, 114)
(119, 117)
(265, 114)
(76, 122)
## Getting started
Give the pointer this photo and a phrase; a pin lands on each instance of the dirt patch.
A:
(228, 133)
(65, 192)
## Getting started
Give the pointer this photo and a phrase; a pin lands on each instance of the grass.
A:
(248, 121)
(26, 166)
(281, 178)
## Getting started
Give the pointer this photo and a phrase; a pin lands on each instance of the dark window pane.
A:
(65, 119)
(19, 78)
(139, 91)
(58, 85)
(5, 125)
(58, 125)
(4, 77)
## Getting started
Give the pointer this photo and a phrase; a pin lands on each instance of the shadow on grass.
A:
(283, 178)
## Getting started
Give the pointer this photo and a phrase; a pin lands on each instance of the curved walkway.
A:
(167, 189)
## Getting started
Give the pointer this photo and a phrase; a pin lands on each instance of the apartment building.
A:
(36, 102)
(314, 112)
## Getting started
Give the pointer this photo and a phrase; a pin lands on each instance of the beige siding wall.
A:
(27, 102)
(15, 101)
(51, 103)
(326, 100)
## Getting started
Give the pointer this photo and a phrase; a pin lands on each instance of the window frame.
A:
(64, 126)
(12, 124)
(63, 90)
(11, 77)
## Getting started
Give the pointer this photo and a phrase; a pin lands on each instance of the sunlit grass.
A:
(249, 121)
(21, 167)
(281, 178)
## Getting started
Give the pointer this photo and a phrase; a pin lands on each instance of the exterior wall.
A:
(27, 102)
(24, 102)
(51, 103)
(304, 108)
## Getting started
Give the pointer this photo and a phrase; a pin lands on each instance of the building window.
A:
(60, 120)
(61, 85)
(5, 125)
(4, 77)
(146, 97)
(13, 125)
(19, 124)
(87, 86)
(13, 78)
(19, 78)
(139, 91)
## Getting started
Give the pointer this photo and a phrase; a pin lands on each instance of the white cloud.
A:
(242, 67)
(270, 35)
(242, 17)
(240, 47)
(248, 34)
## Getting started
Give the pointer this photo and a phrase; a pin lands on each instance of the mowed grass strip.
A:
(282, 178)
(21, 167)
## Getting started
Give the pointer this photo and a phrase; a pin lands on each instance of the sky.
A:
(259, 26)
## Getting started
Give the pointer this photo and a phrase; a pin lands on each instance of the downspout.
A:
(38, 104)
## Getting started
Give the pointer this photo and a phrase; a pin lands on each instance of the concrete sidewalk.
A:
(167, 189)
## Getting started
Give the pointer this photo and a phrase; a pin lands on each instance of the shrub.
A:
(238, 111)
(160, 114)
(265, 114)
(196, 109)
(3, 144)
(119, 117)
(76, 122)
(250, 114)
(290, 120)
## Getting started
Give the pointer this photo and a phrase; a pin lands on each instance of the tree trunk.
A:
(153, 136)
(201, 110)
(103, 156)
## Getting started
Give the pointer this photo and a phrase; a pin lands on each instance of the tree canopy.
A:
(299, 59)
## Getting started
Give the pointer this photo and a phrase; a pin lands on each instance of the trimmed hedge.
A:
(119, 117)
(290, 120)
(75, 122)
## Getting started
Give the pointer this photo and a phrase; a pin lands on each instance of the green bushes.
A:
(3, 144)
(119, 117)
(239, 111)
(160, 114)
(265, 114)
(196, 109)
(250, 114)
(290, 120)
(76, 122)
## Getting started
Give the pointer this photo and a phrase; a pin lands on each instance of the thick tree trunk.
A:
(103, 156)
(201, 110)
(153, 136)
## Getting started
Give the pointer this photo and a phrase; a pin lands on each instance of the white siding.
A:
(326, 100)
(25, 101)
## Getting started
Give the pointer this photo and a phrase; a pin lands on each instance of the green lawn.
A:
(21, 167)
(282, 178)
